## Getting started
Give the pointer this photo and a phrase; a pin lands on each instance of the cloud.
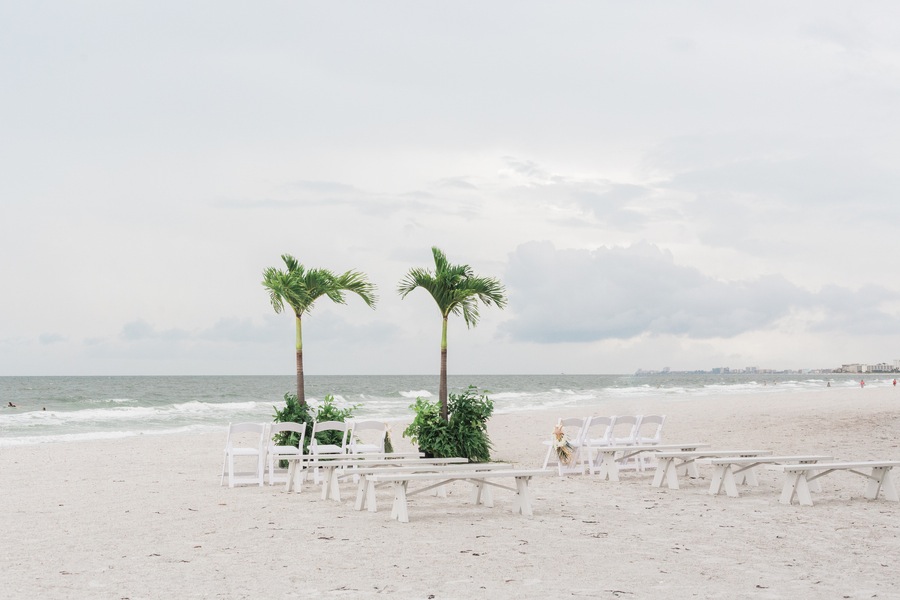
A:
(140, 330)
(622, 293)
(51, 338)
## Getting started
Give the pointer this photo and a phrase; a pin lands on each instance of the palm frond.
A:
(455, 288)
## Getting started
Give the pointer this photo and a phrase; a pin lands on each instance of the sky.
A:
(687, 185)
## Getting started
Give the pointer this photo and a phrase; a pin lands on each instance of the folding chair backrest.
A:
(626, 429)
(650, 431)
(236, 429)
(366, 436)
(574, 427)
(298, 431)
(330, 443)
(599, 431)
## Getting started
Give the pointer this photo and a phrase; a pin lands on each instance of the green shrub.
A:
(465, 434)
(295, 412)
(329, 412)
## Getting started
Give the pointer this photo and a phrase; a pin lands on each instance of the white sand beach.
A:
(145, 517)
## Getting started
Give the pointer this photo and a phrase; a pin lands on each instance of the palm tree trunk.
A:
(301, 393)
(442, 392)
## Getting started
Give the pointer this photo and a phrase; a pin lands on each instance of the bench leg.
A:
(814, 485)
(662, 464)
(522, 503)
(371, 503)
(330, 485)
(482, 493)
(795, 484)
(690, 468)
(400, 511)
(360, 494)
(724, 477)
(730, 484)
(715, 486)
(890, 492)
(292, 470)
(881, 479)
(609, 468)
(747, 476)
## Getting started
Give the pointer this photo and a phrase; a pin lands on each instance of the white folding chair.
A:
(252, 438)
(274, 453)
(598, 433)
(316, 447)
(366, 436)
(625, 433)
(574, 428)
(650, 430)
(650, 434)
(625, 430)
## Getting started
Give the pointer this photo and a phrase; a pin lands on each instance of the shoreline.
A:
(106, 518)
(109, 410)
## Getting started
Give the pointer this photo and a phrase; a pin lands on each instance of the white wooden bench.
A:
(797, 478)
(667, 468)
(726, 469)
(366, 486)
(297, 463)
(609, 457)
(332, 469)
(400, 483)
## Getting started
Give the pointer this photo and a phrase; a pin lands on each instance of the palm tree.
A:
(299, 288)
(456, 290)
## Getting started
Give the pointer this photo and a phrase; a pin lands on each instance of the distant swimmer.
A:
(829, 384)
(862, 383)
(10, 405)
(895, 383)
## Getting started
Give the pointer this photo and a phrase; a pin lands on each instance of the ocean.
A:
(66, 409)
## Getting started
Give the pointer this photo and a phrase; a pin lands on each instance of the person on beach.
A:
(895, 383)
(862, 383)
(10, 405)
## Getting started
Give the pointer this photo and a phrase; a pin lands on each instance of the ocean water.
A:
(63, 409)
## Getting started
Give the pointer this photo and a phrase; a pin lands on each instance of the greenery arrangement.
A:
(464, 434)
(296, 412)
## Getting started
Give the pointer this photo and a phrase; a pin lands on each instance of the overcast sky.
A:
(658, 184)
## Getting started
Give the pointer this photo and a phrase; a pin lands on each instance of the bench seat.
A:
(332, 469)
(400, 483)
(797, 478)
(667, 468)
(729, 470)
(366, 486)
(610, 457)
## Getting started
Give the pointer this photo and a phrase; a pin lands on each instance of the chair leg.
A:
(261, 469)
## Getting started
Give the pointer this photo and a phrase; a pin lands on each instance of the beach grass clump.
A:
(464, 434)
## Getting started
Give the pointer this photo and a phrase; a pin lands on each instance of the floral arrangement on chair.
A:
(564, 450)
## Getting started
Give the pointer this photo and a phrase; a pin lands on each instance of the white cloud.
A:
(622, 293)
